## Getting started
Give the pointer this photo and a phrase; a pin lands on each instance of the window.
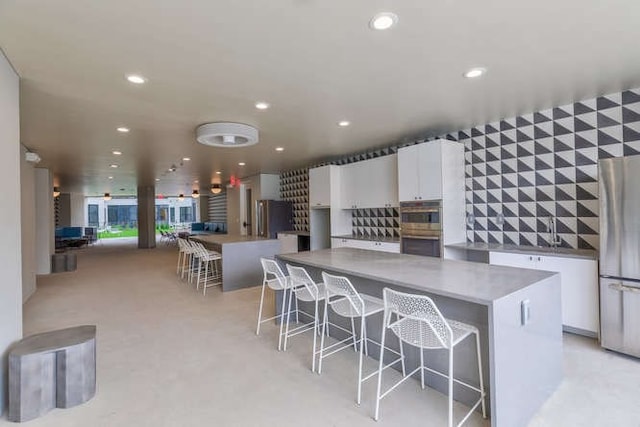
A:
(93, 216)
(123, 215)
(186, 214)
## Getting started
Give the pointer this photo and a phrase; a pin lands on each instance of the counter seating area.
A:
(198, 265)
(413, 320)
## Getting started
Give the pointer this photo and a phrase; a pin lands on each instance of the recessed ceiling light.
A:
(241, 164)
(475, 72)
(136, 79)
(113, 165)
(123, 129)
(218, 172)
(110, 177)
(157, 179)
(117, 153)
(344, 123)
(186, 159)
(279, 148)
(262, 105)
(383, 21)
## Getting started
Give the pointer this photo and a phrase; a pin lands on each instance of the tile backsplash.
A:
(375, 222)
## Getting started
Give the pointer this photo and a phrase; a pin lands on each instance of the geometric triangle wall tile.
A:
(527, 239)
(606, 139)
(476, 131)
(566, 175)
(586, 139)
(521, 121)
(494, 196)
(493, 154)
(631, 148)
(510, 239)
(493, 168)
(630, 97)
(630, 116)
(609, 151)
(543, 241)
(605, 102)
(558, 145)
(587, 208)
(563, 111)
(524, 134)
(526, 163)
(495, 238)
(527, 225)
(586, 156)
(565, 192)
(544, 161)
(569, 241)
(526, 209)
(587, 173)
(608, 116)
(509, 180)
(509, 195)
(510, 225)
(480, 237)
(540, 117)
(585, 228)
(545, 193)
(526, 196)
(493, 182)
(563, 126)
(507, 124)
(583, 107)
(567, 225)
(582, 123)
(506, 139)
(631, 132)
(543, 145)
(510, 210)
(587, 191)
(508, 152)
(491, 128)
(604, 121)
(545, 177)
(566, 208)
(588, 242)
(563, 160)
(526, 179)
(545, 209)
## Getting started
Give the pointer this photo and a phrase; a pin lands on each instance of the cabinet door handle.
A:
(622, 288)
(530, 258)
(538, 258)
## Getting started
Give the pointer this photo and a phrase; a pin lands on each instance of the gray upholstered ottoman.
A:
(52, 369)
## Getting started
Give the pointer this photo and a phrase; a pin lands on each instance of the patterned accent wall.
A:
(294, 187)
(376, 222)
(522, 170)
(544, 164)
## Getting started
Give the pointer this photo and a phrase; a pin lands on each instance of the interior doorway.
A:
(246, 210)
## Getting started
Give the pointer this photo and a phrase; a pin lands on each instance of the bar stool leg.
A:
(353, 335)
(484, 410)
(284, 304)
(450, 387)
(362, 334)
(325, 320)
(380, 363)
(286, 329)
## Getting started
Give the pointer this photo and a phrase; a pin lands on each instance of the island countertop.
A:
(222, 239)
(473, 282)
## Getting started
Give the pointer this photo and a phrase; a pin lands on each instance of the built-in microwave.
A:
(421, 228)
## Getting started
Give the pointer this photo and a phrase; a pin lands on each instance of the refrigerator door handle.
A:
(622, 288)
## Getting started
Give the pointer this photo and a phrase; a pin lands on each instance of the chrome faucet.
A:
(554, 239)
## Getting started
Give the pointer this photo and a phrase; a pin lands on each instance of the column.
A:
(45, 244)
(203, 205)
(146, 217)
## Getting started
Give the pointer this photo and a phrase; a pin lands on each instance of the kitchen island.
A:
(517, 312)
(241, 255)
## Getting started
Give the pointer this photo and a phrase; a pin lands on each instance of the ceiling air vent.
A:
(227, 135)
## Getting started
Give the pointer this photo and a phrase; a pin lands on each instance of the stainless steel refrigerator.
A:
(620, 254)
(273, 216)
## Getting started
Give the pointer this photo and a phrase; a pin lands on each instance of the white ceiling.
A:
(315, 61)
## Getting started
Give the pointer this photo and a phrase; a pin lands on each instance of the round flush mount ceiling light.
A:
(223, 134)
(123, 129)
(279, 149)
(241, 164)
(475, 72)
(136, 79)
(262, 105)
(117, 152)
(383, 21)
(344, 123)
(114, 166)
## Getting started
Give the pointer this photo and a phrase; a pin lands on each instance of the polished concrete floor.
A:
(167, 356)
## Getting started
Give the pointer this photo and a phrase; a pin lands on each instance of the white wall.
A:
(10, 244)
(28, 208)
(45, 244)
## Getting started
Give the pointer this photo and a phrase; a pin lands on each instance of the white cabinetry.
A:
(365, 244)
(420, 170)
(579, 285)
(320, 187)
(370, 183)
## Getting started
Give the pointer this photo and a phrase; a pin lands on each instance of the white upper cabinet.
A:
(420, 171)
(370, 183)
(320, 187)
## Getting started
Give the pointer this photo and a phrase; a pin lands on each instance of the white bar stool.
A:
(419, 323)
(345, 301)
(303, 288)
(274, 278)
(207, 258)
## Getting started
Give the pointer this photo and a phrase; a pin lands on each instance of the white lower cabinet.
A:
(579, 285)
(365, 244)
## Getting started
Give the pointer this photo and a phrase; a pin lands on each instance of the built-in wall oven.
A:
(421, 228)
